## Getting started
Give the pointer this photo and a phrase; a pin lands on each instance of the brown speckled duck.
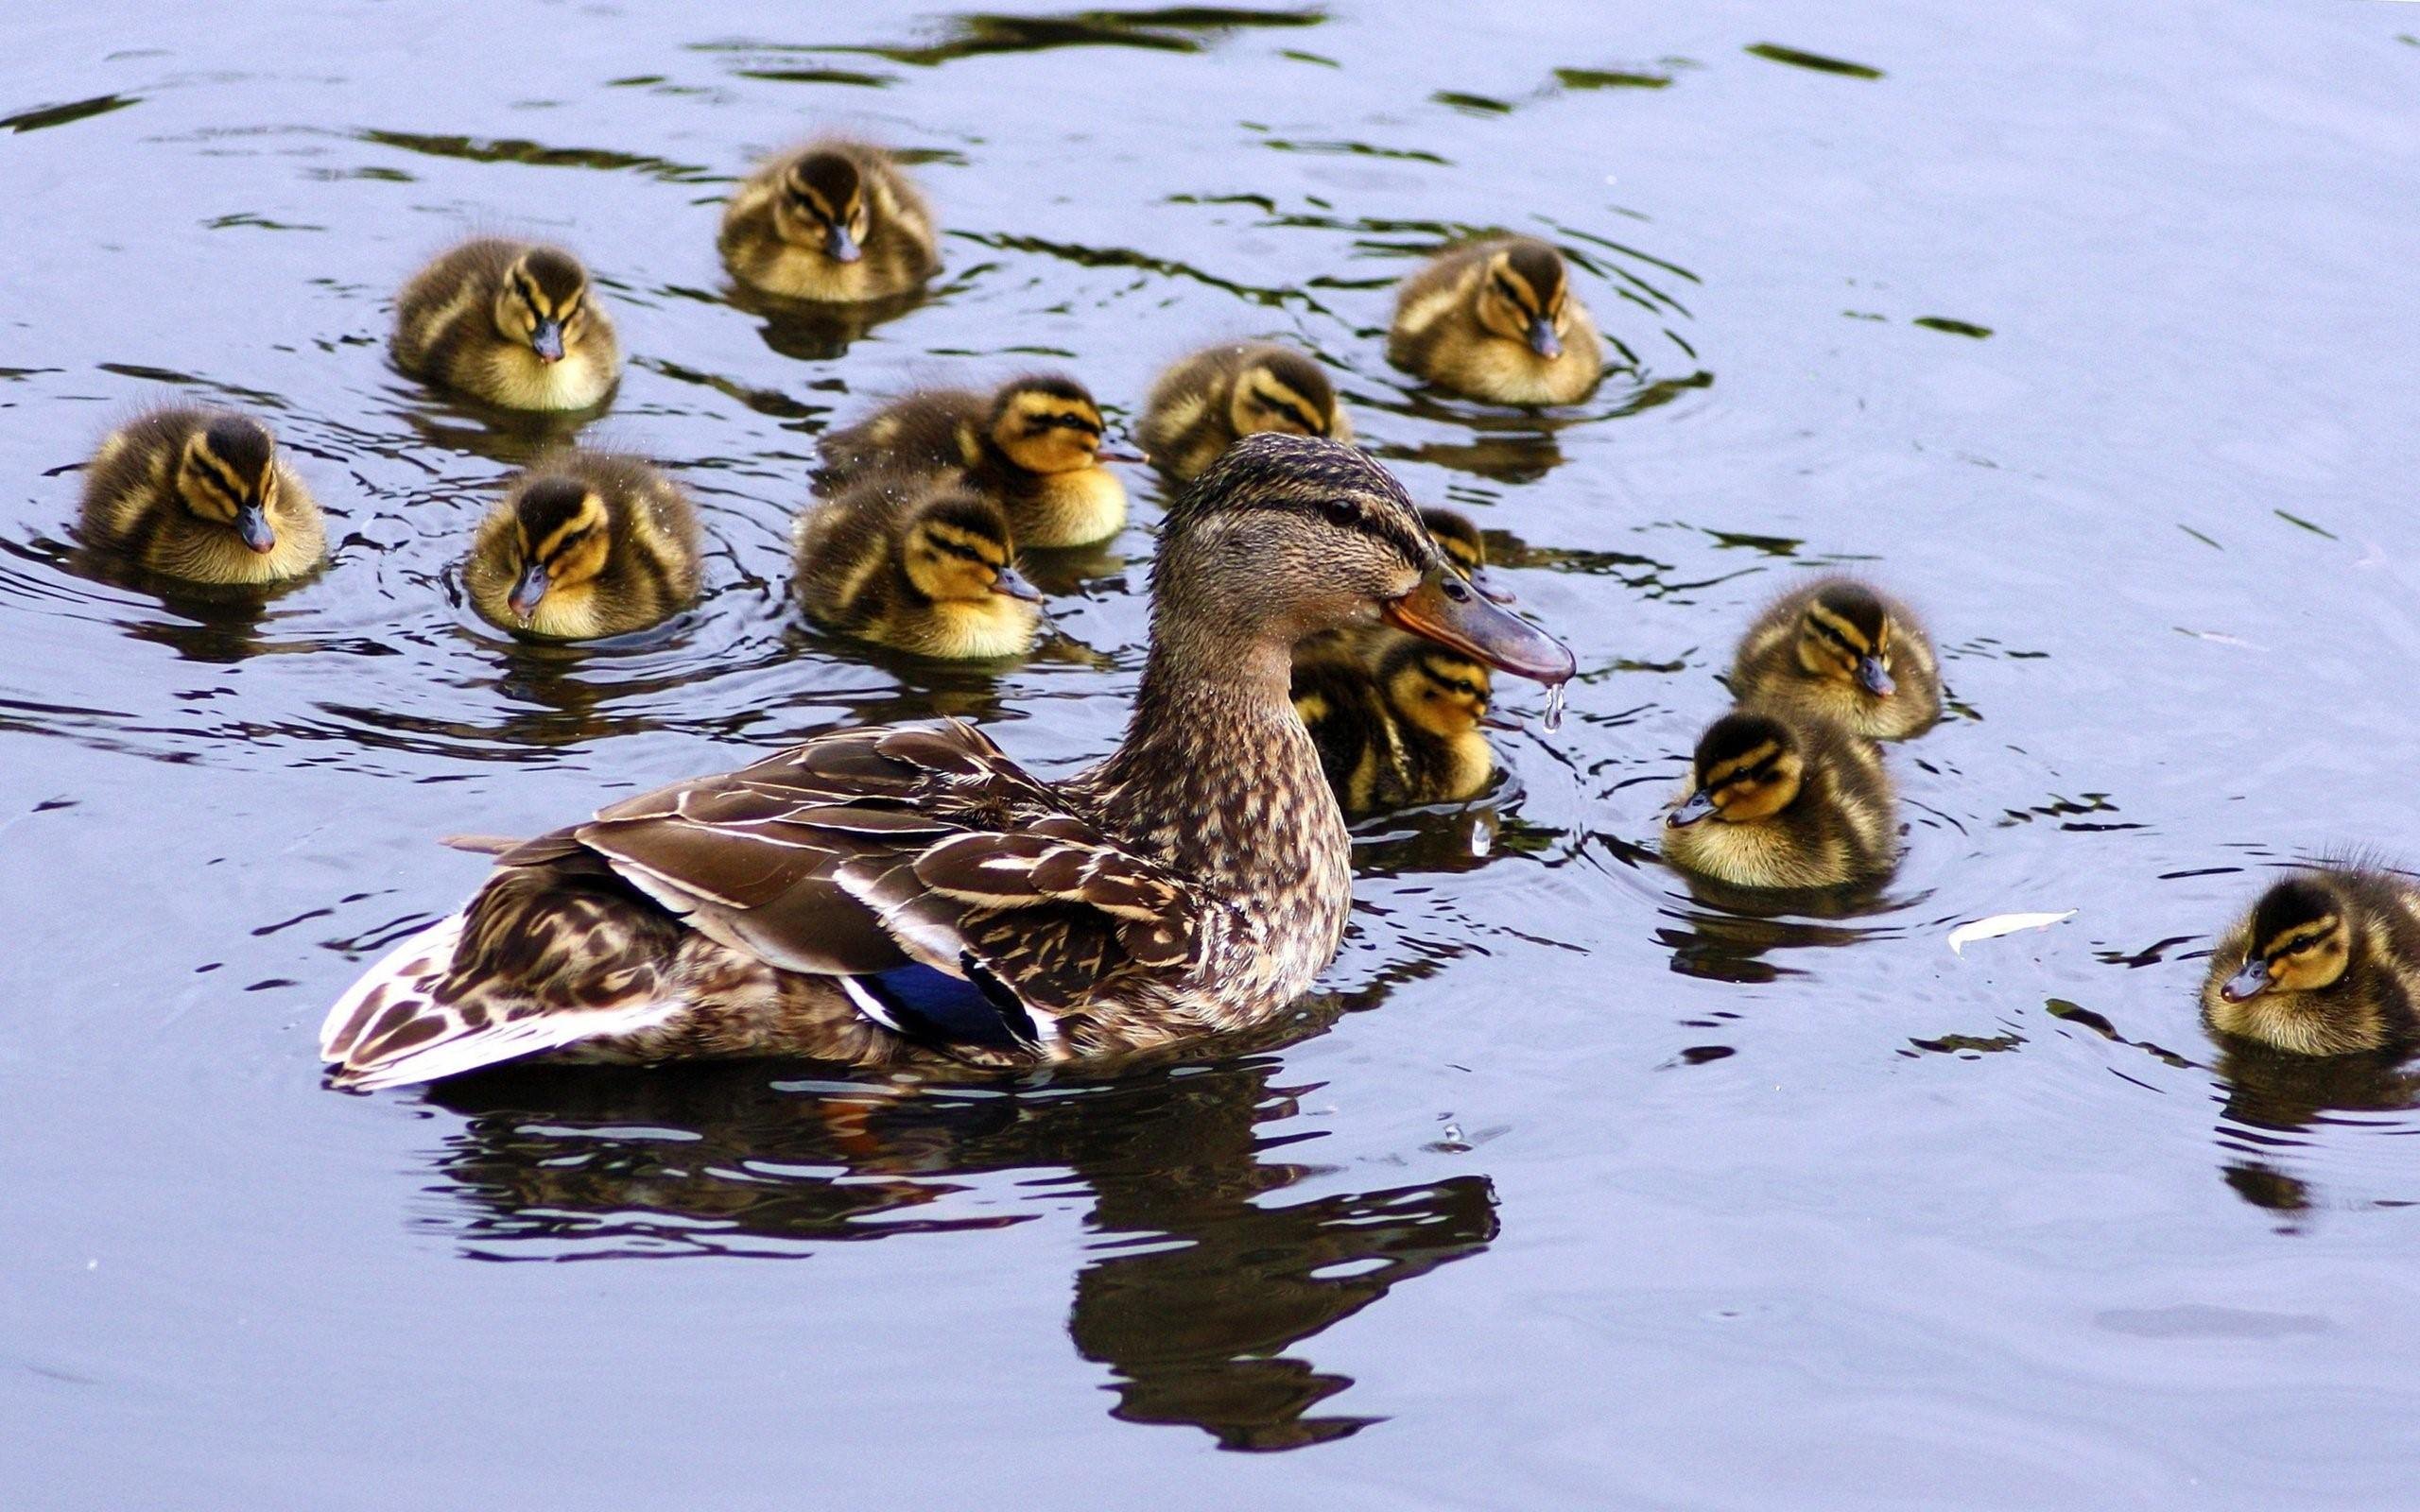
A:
(509, 323)
(1498, 321)
(1033, 445)
(1205, 402)
(834, 221)
(2326, 963)
(202, 495)
(912, 898)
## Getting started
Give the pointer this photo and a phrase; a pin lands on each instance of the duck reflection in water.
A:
(2273, 1099)
(727, 1160)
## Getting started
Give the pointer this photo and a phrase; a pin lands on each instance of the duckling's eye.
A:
(1504, 287)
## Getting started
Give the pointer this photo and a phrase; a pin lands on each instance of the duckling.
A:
(1842, 649)
(1498, 321)
(2325, 964)
(921, 564)
(834, 221)
(587, 544)
(202, 496)
(1205, 403)
(1033, 446)
(1778, 799)
(1399, 727)
(509, 323)
(1458, 536)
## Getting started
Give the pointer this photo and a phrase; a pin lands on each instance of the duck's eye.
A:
(1454, 589)
(1341, 512)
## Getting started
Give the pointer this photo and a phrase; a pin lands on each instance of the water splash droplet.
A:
(1553, 720)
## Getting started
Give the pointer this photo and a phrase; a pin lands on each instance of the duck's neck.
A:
(1218, 775)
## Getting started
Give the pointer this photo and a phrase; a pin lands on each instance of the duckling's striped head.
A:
(2302, 941)
(1524, 295)
(1846, 634)
(1281, 390)
(1748, 767)
(562, 534)
(1286, 536)
(1047, 423)
(1458, 536)
(823, 204)
(543, 302)
(1440, 691)
(227, 475)
(955, 545)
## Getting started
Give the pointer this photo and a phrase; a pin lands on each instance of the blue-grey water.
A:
(2088, 329)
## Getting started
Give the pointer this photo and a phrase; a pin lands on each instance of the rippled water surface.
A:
(2089, 329)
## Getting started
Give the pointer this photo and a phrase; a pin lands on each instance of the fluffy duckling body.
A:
(588, 544)
(509, 323)
(834, 221)
(2325, 964)
(1498, 321)
(1033, 446)
(1841, 649)
(1777, 799)
(202, 496)
(1209, 400)
(1398, 726)
(926, 565)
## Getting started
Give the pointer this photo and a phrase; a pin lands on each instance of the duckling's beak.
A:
(1015, 585)
(1543, 340)
(547, 340)
(1493, 720)
(252, 523)
(1698, 805)
(526, 592)
(1114, 450)
(1876, 678)
(839, 245)
(2246, 983)
(1488, 587)
(1449, 611)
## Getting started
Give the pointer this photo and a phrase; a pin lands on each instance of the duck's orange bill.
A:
(1449, 611)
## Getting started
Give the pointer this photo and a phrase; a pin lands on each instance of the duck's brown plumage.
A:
(165, 491)
(777, 231)
(1195, 881)
(467, 321)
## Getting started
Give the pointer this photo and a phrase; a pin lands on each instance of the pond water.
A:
(2089, 330)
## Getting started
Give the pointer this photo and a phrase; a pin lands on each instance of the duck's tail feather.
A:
(391, 1029)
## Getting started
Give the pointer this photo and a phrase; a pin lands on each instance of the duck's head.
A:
(562, 536)
(1047, 423)
(955, 546)
(823, 204)
(2302, 941)
(1441, 691)
(1287, 536)
(1524, 296)
(1747, 768)
(227, 475)
(1846, 634)
(543, 303)
(1458, 536)
(1280, 389)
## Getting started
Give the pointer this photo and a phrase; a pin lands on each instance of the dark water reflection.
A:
(1207, 1286)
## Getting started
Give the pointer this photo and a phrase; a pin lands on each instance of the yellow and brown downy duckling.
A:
(1498, 321)
(1841, 649)
(1459, 535)
(1399, 726)
(588, 544)
(1211, 400)
(1033, 446)
(833, 222)
(913, 900)
(509, 323)
(202, 496)
(926, 565)
(1777, 799)
(2325, 964)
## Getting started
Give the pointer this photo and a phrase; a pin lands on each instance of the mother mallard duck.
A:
(892, 897)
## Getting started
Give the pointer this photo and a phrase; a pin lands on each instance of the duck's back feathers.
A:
(856, 854)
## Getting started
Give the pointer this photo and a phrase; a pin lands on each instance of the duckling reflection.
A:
(2272, 1097)
(725, 1162)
